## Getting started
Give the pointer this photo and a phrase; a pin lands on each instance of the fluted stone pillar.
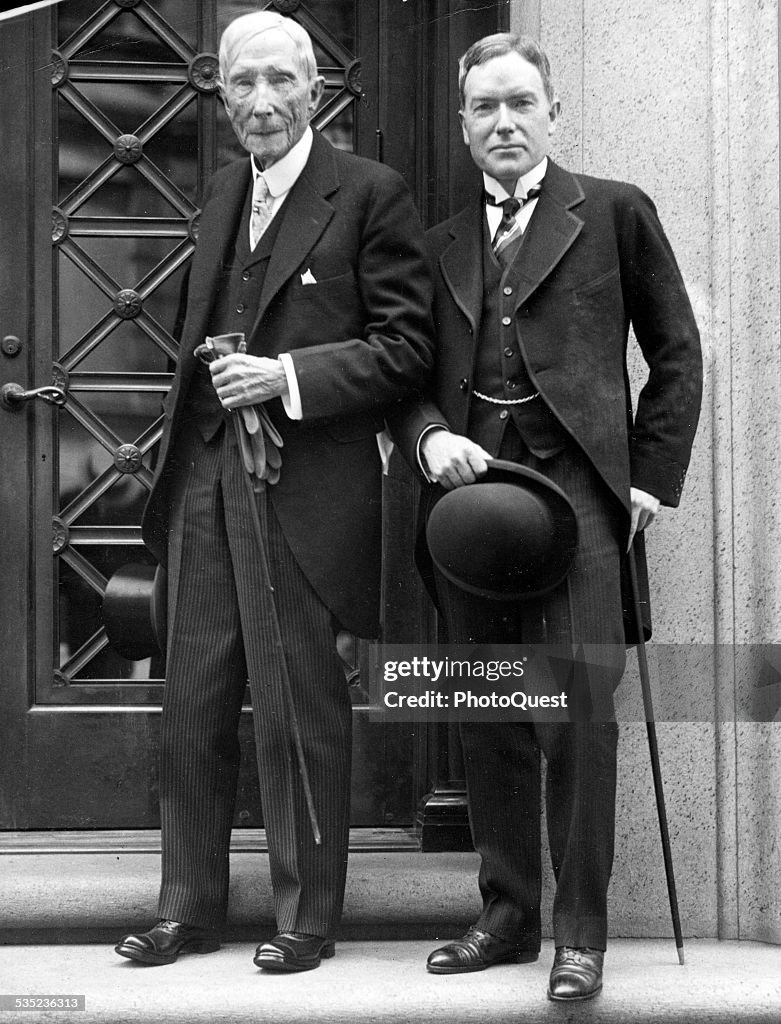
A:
(682, 99)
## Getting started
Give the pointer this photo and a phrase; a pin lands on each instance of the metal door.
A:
(112, 125)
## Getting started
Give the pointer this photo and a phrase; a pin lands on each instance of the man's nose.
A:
(504, 118)
(261, 99)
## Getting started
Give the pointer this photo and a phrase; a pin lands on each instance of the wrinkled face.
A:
(507, 119)
(269, 96)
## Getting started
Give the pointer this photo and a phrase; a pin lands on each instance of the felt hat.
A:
(511, 535)
(134, 611)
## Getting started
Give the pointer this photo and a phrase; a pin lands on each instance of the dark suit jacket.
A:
(360, 339)
(594, 260)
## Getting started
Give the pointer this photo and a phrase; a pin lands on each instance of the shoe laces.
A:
(575, 955)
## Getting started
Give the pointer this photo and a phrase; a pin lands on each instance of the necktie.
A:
(509, 228)
(261, 210)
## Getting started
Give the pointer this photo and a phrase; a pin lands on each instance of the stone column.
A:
(683, 100)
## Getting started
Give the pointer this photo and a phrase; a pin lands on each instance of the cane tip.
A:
(680, 955)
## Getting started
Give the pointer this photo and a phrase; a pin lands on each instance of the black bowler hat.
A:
(509, 536)
(134, 611)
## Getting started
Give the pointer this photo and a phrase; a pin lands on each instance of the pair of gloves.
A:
(258, 438)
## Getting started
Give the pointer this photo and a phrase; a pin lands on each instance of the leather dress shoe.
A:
(293, 951)
(576, 973)
(476, 951)
(163, 943)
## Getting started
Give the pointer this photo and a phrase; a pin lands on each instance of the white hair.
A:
(242, 29)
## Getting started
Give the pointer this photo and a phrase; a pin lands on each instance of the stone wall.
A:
(682, 99)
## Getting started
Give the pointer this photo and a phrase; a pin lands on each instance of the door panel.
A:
(117, 129)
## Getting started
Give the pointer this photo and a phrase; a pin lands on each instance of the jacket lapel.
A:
(462, 263)
(307, 214)
(218, 227)
(551, 232)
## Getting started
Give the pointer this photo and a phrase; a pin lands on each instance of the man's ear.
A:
(316, 87)
(553, 115)
(222, 95)
(464, 133)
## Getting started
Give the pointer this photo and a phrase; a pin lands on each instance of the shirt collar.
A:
(283, 174)
(522, 186)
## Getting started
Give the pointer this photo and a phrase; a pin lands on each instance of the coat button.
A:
(246, 276)
(464, 384)
(507, 290)
(512, 384)
(240, 308)
(509, 352)
(503, 414)
(507, 320)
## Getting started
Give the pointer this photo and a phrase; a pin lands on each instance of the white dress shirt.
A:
(280, 178)
(522, 186)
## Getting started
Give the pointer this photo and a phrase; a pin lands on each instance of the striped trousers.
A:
(502, 760)
(220, 637)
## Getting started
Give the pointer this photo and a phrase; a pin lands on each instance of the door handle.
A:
(14, 396)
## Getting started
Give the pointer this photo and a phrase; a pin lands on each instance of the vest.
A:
(235, 309)
(501, 369)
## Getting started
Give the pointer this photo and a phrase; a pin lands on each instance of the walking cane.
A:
(650, 725)
(227, 343)
(279, 648)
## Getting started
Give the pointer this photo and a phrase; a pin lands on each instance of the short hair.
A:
(241, 29)
(498, 45)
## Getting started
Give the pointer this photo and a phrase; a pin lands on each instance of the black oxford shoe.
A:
(163, 943)
(576, 973)
(476, 951)
(293, 951)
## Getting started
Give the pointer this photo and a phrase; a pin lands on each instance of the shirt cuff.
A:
(385, 446)
(419, 454)
(291, 402)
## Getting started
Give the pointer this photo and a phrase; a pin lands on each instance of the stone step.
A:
(90, 896)
(385, 982)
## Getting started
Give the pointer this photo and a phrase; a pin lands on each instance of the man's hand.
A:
(241, 379)
(453, 460)
(644, 509)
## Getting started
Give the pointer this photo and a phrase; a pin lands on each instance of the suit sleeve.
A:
(394, 357)
(408, 421)
(668, 406)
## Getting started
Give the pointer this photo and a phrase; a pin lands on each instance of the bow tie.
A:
(532, 193)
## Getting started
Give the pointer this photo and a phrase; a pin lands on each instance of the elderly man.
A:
(266, 503)
(536, 284)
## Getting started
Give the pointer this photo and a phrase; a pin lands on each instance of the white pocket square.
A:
(308, 277)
